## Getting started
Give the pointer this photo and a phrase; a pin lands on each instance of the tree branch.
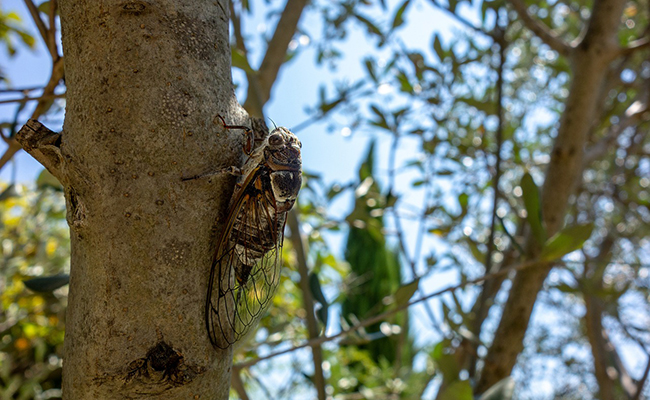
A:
(462, 20)
(42, 144)
(237, 384)
(54, 51)
(276, 52)
(56, 76)
(642, 381)
(483, 307)
(299, 247)
(383, 316)
(42, 29)
(590, 62)
(639, 44)
(631, 117)
(540, 30)
(42, 98)
(43, 105)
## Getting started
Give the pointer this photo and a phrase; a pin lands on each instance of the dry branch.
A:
(42, 144)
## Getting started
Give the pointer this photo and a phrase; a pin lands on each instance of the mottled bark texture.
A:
(590, 58)
(145, 81)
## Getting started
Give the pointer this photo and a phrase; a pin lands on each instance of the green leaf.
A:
(45, 6)
(398, 19)
(457, 390)
(485, 5)
(487, 107)
(240, 61)
(47, 283)
(9, 192)
(404, 293)
(533, 208)
(476, 252)
(437, 47)
(372, 28)
(445, 362)
(370, 67)
(316, 290)
(327, 107)
(463, 200)
(452, 5)
(567, 240)
(46, 179)
(323, 315)
(502, 390)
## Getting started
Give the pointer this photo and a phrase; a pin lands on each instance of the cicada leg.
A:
(232, 170)
(250, 137)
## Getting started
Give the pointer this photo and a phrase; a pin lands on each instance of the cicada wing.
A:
(220, 300)
(258, 275)
(254, 298)
(246, 270)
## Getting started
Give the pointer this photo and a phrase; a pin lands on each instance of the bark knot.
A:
(162, 364)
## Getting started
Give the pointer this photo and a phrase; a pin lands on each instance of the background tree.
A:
(514, 165)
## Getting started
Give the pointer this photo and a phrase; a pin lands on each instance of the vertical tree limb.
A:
(276, 54)
(299, 246)
(589, 60)
(482, 307)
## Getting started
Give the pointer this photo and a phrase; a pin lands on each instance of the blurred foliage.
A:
(375, 267)
(35, 242)
(11, 30)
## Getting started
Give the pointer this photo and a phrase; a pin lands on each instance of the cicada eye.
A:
(276, 140)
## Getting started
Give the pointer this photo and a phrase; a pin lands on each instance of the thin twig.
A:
(642, 381)
(40, 98)
(21, 90)
(54, 51)
(483, 298)
(462, 20)
(552, 39)
(48, 93)
(42, 29)
(636, 45)
(383, 316)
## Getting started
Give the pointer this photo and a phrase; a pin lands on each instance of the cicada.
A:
(246, 266)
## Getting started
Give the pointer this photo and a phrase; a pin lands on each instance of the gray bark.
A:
(145, 82)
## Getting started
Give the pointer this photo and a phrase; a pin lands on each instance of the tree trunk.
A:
(590, 60)
(146, 81)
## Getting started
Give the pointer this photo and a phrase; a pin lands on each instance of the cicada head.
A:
(282, 150)
(282, 156)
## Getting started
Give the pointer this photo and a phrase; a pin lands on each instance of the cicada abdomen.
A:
(247, 264)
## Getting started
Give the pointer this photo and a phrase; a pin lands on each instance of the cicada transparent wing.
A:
(246, 268)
